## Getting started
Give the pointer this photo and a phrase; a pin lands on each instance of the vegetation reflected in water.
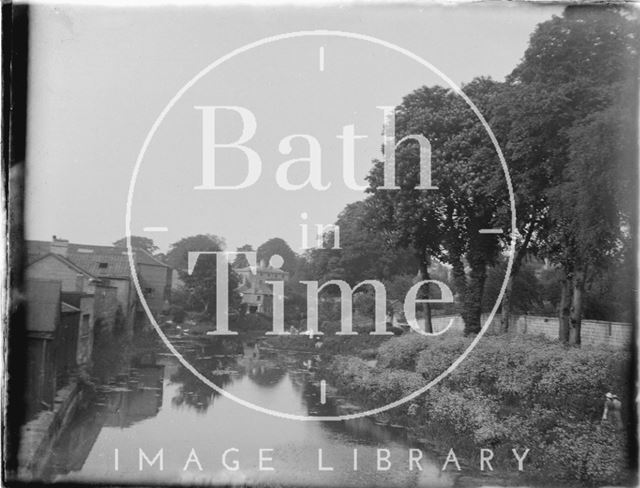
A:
(158, 404)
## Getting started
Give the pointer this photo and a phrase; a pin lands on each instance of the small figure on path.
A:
(613, 410)
(413, 409)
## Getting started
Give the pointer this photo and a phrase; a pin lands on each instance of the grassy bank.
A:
(524, 392)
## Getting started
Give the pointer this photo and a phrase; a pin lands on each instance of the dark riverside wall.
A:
(39, 434)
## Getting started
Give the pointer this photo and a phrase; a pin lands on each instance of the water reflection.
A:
(266, 374)
(217, 361)
(136, 397)
(158, 404)
(192, 392)
(128, 399)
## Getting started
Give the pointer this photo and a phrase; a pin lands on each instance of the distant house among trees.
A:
(257, 295)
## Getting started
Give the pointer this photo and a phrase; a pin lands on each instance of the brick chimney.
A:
(59, 246)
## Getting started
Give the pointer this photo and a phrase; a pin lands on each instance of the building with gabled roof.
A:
(56, 267)
(102, 307)
(81, 267)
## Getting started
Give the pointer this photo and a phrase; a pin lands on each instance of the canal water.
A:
(156, 404)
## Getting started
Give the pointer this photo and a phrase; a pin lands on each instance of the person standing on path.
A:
(612, 410)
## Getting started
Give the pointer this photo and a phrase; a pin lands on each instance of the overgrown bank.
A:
(524, 393)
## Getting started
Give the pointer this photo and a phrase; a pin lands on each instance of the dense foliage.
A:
(138, 242)
(277, 246)
(525, 393)
(199, 290)
(566, 121)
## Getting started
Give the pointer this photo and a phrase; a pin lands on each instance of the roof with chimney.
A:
(98, 261)
(65, 261)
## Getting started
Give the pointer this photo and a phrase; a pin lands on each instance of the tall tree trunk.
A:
(459, 280)
(575, 321)
(565, 307)
(473, 297)
(505, 318)
(517, 262)
(425, 261)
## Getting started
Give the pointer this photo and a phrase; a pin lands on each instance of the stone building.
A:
(52, 343)
(97, 269)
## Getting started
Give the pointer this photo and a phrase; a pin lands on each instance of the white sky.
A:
(100, 77)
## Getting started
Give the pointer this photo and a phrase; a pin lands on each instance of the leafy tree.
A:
(241, 261)
(398, 286)
(527, 119)
(570, 71)
(201, 285)
(445, 223)
(177, 257)
(550, 280)
(138, 242)
(594, 201)
(562, 98)
(608, 295)
(585, 44)
(364, 254)
(278, 246)
(527, 290)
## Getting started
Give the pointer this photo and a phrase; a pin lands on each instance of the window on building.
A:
(103, 265)
(148, 292)
(258, 297)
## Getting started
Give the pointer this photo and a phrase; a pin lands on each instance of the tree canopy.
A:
(138, 242)
(573, 127)
(241, 261)
(201, 284)
(279, 246)
(444, 223)
(177, 257)
(364, 253)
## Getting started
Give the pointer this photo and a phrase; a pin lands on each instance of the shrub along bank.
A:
(524, 392)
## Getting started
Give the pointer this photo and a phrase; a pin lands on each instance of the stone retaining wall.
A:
(594, 332)
(39, 435)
